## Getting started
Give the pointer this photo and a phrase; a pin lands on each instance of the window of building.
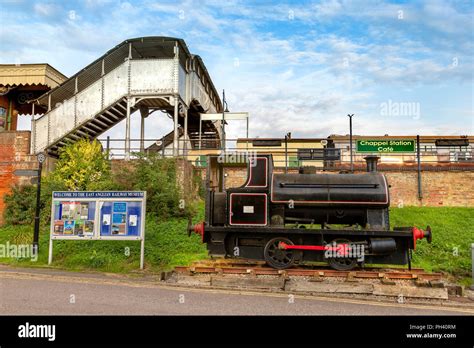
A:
(3, 114)
(201, 161)
(293, 162)
(327, 154)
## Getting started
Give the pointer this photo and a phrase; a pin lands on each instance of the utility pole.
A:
(41, 159)
(224, 110)
(350, 140)
(287, 136)
(418, 159)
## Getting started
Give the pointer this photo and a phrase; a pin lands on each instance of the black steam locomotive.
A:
(284, 219)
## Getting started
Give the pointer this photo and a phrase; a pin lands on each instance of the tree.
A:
(20, 205)
(82, 166)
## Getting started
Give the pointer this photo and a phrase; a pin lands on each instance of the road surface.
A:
(33, 292)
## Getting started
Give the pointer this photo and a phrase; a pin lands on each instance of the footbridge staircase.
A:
(145, 74)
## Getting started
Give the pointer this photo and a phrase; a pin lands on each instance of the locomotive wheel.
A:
(275, 256)
(342, 263)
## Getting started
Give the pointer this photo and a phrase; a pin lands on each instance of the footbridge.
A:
(145, 74)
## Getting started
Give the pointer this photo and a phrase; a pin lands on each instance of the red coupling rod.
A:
(342, 249)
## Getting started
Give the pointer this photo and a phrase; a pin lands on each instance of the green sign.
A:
(393, 145)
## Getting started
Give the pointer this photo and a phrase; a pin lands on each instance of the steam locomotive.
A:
(286, 219)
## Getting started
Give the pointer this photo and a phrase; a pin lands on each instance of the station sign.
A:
(26, 172)
(385, 146)
(98, 215)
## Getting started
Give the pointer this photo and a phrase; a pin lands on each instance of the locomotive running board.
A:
(280, 230)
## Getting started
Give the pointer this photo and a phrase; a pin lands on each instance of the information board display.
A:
(106, 215)
(73, 218)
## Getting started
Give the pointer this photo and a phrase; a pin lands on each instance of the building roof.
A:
(422, 137)
(297, 140)
(336, 137)
(15, 75)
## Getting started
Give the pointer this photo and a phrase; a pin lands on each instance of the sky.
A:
(401, 67)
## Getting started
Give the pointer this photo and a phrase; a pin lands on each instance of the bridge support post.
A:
(185, 147)
(127, 132)
(175, 130)
(143, 114)
(200, 130)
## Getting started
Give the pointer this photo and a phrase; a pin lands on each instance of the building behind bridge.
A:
(333, 152)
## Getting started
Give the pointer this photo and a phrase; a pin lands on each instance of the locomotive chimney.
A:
(371, 163)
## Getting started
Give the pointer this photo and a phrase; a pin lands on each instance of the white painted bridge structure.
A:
(145, 74)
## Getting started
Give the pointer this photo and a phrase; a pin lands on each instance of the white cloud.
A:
(44, 9)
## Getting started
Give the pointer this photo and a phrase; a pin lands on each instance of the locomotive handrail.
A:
(354, 186)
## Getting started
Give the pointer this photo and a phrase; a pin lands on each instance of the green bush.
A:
(82, 166)
(199, 183)
(156, 176)
(20, 205)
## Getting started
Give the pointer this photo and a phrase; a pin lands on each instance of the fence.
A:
(426, 156)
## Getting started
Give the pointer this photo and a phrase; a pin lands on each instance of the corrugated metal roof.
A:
(12, 75)
(144, 47)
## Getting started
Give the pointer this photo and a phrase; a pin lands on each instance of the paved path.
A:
(51, 292)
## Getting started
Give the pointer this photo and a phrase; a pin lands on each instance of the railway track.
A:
(225, 266)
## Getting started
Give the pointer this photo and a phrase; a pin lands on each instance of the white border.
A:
(96, 235)
(247, 194)
(250, 175)
(330, 202)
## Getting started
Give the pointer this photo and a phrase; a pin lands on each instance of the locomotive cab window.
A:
(257, 172)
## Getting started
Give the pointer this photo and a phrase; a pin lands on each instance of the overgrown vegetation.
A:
(158, 177)
(83, 166)
(20, 205)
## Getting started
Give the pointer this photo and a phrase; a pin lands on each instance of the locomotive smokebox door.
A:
(248, 209)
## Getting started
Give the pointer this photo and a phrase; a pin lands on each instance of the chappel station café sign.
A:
(394, 145)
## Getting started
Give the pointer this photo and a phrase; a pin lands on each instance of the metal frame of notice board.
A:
(98, 215)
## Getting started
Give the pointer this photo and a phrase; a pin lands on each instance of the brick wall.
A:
(439, 188)
(236, 176)
(185, 177)
(14, 154)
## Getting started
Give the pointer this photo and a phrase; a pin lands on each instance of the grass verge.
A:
(167, 244)
(453, 233)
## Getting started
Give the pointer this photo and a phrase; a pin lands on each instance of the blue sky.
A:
(294, 66)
